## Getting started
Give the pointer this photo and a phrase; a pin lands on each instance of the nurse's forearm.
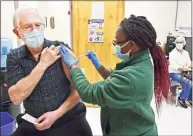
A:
(104, 72)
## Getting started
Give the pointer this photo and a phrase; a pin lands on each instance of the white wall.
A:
(47, 9)
(184, 13)
(160, 13)
(7, 11)
(58, 9)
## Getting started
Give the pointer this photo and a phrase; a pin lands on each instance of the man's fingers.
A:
(44, 50)
(57, 48)
(56, 52)
(59, 56)
(52, 47)
(40, 126)
(41, 118)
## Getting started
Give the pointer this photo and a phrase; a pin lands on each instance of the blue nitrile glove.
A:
(67, 56)
(92, 56)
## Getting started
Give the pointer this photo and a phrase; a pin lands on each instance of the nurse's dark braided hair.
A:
(140, 30)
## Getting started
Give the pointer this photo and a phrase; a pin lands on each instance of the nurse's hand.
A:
(92, 56)
(46, 120)
(68, 56)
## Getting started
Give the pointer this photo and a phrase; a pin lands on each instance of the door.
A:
(81, 12)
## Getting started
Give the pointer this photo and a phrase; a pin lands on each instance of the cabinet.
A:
(170, 45)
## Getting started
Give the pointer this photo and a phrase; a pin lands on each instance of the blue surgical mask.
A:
(34, 39)
(117, 52)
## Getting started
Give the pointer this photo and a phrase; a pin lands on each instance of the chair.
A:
(176, 90)
(176, 87)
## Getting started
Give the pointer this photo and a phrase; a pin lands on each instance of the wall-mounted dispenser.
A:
(52, 22)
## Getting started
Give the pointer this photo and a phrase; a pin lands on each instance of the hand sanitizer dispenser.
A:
(6, 46)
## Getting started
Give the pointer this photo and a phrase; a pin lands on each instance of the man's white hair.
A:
(19, 12)
(180, 38)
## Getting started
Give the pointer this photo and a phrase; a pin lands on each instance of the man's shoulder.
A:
(173, 52)
(186, 52)
(17, 53)
(56, 43)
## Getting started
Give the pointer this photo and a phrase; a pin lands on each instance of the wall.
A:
(160, 13)
(7, 11)
(57, 9)
(184, 13)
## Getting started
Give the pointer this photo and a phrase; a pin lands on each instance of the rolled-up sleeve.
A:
(14, 71)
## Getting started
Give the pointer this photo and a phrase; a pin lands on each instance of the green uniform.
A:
(124, 97)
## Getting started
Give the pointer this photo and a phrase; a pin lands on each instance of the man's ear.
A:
(16, 33)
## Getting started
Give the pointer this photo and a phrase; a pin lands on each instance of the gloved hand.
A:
(92, 56)
(68, 56)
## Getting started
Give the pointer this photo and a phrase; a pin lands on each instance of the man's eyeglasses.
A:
(31, 27)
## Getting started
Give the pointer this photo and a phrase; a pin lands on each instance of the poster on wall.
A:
(96, 30)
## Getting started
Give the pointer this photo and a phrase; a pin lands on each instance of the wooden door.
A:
(81, 12)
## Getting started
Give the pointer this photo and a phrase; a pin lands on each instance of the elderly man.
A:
(36, 78)
(180, 62)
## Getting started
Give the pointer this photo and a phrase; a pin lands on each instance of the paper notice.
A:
(97, 10)
(29, 118)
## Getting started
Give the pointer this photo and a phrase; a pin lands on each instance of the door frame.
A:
(71, 25)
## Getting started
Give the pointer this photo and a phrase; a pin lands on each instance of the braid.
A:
(140, 30)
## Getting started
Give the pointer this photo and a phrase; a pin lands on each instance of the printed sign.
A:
(96, 30)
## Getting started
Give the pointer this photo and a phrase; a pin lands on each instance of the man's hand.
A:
(187, 69)
(46, 120)
(181, 69)
(92, 56)
(49, 56)
(68, 56)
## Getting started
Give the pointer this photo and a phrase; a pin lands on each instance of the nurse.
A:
(126, 92)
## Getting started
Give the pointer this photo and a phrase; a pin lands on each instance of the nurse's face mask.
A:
(117, 46)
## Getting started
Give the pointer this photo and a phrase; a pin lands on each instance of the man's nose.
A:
(34, 27)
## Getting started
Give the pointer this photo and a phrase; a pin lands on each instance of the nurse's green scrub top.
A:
(124, 97)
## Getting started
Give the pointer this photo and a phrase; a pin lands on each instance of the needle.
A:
(81, 56)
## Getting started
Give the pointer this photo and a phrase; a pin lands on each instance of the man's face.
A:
(28, 22)
(179, 42)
